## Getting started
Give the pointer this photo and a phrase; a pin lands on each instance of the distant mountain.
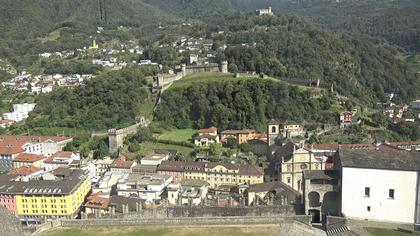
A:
(396, 21)
(25, 18)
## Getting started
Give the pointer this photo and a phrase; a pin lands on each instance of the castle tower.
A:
(224, 67)
(184, 69)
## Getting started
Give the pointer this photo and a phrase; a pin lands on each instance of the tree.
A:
(134, 147)
(215, 149)
(101, 151)
(231, 142)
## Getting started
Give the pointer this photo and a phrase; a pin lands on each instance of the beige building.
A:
(28, 159)
(214, 173)
(290, 160)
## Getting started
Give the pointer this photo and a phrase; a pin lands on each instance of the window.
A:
(288, 180)
(391, 193)
(367, 192)
(368, 208)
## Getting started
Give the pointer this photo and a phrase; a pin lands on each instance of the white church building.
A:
(380, 186)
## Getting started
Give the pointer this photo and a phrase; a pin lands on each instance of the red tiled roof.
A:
(24, 170)
(63, 154)
(95, 200)
(28, 157)
(20, 140)
(208, 130)
(120, 162)
(10, 150)
(405, 143)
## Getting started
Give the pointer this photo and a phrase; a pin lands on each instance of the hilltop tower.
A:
(224, 67)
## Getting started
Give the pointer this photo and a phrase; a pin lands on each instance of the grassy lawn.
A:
(178, 135)
(389, 232)
(147, 148)
(254, 230)
(205, 77)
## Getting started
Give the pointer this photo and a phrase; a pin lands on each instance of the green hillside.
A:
(32, 26)
(295, 48)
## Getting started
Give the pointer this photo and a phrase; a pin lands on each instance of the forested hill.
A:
(241, 103)
(28, 25)
(396, 21)
(293, 47)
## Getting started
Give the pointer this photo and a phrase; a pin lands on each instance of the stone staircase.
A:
(338, 230)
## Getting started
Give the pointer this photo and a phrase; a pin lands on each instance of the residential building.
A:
(96, 205)
(175, 169)
(20, 112)
(24, 173)
(187, 192)
(206, 137)
(346, 119)
(379, 186)
(215, 174)
(154, 159)
(28, 159)
(41, 199)
(241, 136)
(61, 159)
(102, 165)
(4, 123)
(122, 166)
(146, 187)
(267, 11)
(12, 145)
(290, 160)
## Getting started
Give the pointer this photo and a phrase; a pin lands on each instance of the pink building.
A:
(175, 169)
(8, 201)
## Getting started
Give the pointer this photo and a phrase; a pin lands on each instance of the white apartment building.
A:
(146, 187)
(20, 112)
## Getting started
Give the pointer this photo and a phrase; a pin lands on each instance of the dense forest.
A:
(238, 104)
(113, 99)
(295, 48)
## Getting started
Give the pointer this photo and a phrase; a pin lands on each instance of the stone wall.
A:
(232, 220)
(9, 224)
(295, 228)
(207, 211)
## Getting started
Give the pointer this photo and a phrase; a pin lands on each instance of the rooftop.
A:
(24, 170)
(320, 174)
(208, 130)
(59, 186)
(271, 186)
(373, 159)
(233, 132)
(28, 157)
(121, 163)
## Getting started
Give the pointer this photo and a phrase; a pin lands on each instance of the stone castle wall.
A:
(233, 220)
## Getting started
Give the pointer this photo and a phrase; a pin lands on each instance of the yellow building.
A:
(61, 196)
(290, 160)
(94, 45)
(28, 159)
